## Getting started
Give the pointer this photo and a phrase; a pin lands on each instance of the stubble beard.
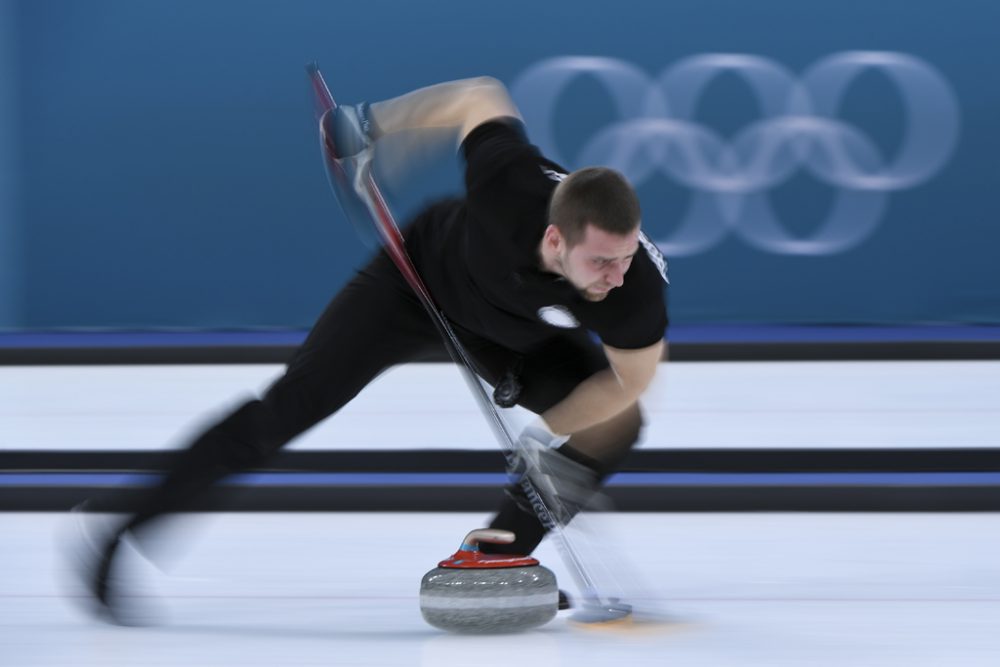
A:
(585, 292)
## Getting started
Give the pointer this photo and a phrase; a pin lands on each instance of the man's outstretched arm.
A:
(462, 105)
(607, 392)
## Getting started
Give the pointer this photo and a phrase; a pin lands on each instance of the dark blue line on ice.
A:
(495, 479)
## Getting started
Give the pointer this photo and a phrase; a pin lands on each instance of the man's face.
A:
(598, 263)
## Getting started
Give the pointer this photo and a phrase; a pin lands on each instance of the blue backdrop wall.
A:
(10, 218)
(820, 162)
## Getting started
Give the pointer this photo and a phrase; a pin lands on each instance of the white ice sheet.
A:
(427, 406)
(342, 589)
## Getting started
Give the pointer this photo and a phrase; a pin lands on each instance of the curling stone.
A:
(478, 593)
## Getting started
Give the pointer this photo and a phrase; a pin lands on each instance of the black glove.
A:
(565, 486)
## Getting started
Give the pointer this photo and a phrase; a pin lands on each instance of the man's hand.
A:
(351, 127)
(565, 485)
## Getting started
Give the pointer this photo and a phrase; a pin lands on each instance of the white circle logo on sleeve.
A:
(558, 316)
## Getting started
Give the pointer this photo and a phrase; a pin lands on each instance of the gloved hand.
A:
(564, 485)
(535, 438)
(350, 127)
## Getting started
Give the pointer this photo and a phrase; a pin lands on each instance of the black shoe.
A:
(99, 582)
(96, 565)
(564, 601)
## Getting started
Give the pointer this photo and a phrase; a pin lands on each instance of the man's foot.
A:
(97, 555)
(564, 601)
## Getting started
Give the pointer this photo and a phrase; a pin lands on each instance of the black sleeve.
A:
(491, 147)
(634, 316)
(638, 329)
(642, 330)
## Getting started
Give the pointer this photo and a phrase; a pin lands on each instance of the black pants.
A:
(374, 323)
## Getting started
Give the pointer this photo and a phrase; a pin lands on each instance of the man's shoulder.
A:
(499, 149)
(495, 130)
(651, 252)
(635, 314)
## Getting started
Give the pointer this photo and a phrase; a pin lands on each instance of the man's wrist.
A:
(540, 429)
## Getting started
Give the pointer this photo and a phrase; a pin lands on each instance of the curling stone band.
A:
(473, 592)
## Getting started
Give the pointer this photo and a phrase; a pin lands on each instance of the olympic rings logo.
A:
(730, 178)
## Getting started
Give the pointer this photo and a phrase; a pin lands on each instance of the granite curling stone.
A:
(477, 593)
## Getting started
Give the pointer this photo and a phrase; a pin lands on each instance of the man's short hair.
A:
(594, 195)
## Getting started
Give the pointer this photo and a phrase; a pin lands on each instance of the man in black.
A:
(528, 267)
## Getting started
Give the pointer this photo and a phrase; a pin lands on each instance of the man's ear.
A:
(553, 239)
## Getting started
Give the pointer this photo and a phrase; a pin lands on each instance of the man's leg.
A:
(372, 324)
